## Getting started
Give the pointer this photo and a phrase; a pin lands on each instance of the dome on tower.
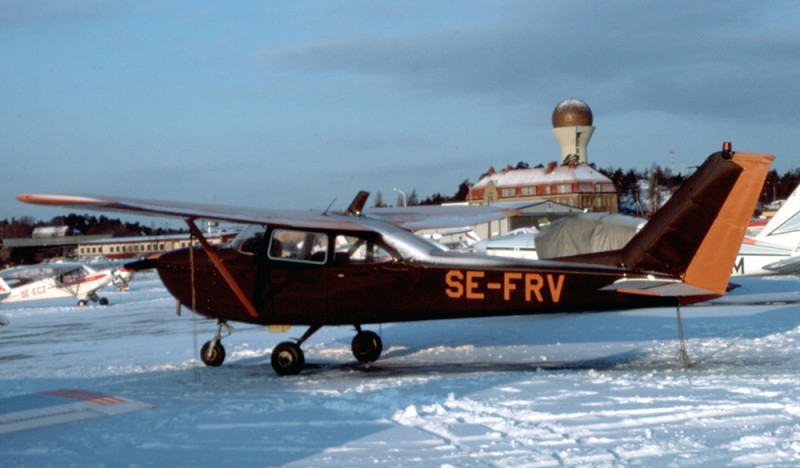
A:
(572, 113)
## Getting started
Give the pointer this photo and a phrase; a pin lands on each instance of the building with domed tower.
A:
(570, 182)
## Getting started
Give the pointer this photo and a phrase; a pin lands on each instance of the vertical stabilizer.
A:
(784, 228)
(711, 266)
(696, 235)
(5, 290)
(357, 205)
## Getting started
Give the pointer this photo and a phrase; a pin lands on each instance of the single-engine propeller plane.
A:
(56, 280)
(363, 267)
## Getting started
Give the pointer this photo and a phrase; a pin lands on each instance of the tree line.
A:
(80, 224)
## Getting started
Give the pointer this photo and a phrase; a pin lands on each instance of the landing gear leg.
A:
(366, 345)
(288, 357)
(213, 353)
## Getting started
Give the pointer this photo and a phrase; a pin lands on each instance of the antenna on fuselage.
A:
(337, 196)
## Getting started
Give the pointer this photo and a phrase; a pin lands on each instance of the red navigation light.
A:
(726, 150)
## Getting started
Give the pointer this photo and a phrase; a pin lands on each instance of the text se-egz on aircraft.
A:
(363, 267)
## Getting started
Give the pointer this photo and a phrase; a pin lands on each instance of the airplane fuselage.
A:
(335, 292)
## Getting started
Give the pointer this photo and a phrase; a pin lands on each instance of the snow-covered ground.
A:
(591, 389)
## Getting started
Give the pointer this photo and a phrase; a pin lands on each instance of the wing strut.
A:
(223, 270)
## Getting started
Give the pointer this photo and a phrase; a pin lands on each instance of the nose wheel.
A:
(213, 353)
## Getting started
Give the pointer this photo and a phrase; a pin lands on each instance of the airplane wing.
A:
(185, 210)
(415, 218)
(412, 218)
(38, 271)
(787, 266)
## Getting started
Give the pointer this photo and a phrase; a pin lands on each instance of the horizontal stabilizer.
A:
(657, 287)
(787, 266)
(60, 406)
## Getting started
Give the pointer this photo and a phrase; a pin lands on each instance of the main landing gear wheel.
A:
(95, 298)
(367, 346)
(212, 355)
(288, 358)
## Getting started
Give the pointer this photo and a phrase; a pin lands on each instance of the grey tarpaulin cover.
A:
(586, 233)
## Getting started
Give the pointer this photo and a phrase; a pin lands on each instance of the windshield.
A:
(249, 239)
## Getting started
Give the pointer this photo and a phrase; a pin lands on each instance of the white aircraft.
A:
(518, 243)
(775, 249)
(56, 280)
(5, 291)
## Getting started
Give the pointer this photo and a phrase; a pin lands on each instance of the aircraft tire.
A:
(367, 346)
(83, 303)
(216, 357)
(103, 301)
(288, 358)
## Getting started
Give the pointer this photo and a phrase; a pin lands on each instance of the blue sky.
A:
(289, 104)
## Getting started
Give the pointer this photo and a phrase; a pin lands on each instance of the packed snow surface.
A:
(578, 390)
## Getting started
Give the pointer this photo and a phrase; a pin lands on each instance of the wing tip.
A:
(54, 199)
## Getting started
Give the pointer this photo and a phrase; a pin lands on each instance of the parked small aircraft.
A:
(775, 249)
(55, 280)
(5, 290)
(362, 267)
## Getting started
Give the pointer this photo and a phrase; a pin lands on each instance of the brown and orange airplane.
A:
(366, 267)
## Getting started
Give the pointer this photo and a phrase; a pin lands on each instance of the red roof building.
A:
(579, 186)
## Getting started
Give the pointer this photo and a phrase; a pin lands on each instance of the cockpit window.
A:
(298, 246)
(352, 249)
